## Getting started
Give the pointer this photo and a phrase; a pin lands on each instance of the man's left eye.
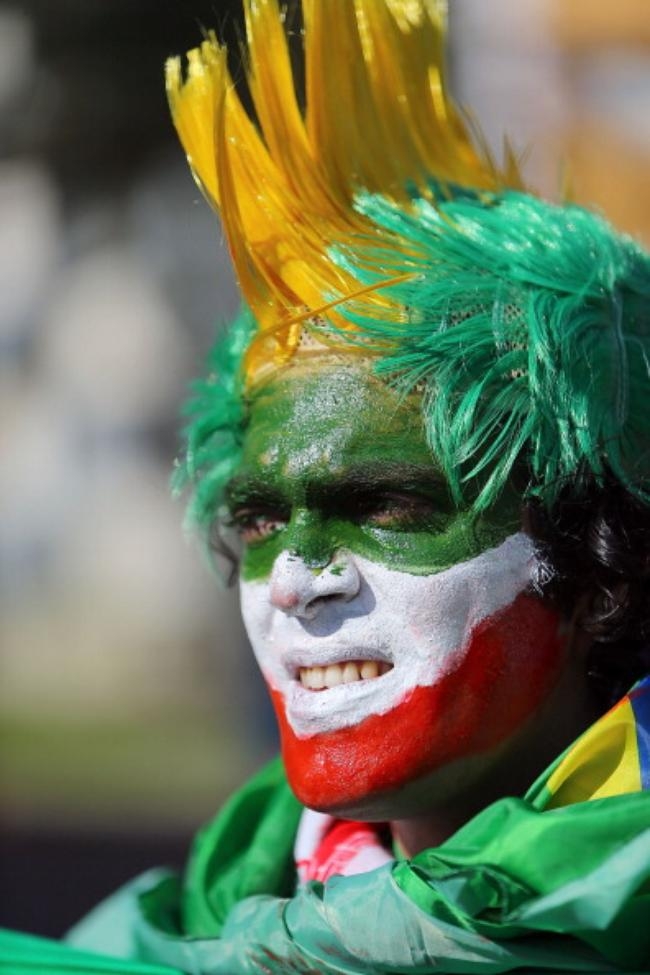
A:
(398, 512)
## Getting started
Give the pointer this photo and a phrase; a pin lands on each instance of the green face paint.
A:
(334, 459)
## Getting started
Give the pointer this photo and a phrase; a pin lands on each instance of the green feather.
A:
(214, 435)
(529, 325)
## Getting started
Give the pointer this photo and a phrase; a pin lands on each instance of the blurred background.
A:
(129, 702)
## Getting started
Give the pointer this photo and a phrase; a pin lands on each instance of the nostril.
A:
(327, 597)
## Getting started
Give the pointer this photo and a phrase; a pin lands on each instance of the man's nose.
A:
(301, 591)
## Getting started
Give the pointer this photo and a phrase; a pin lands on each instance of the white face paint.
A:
(356, 610)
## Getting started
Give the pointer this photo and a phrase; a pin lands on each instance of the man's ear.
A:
(579, 638)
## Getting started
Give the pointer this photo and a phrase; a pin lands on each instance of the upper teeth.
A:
(318, 678)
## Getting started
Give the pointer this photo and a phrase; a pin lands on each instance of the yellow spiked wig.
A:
(377, 118)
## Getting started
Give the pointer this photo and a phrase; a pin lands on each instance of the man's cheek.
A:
(510, 665)
(257, 614)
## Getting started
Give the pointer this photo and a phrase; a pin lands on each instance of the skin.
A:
(337, 482)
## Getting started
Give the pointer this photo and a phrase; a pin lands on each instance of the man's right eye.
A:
(254, 525)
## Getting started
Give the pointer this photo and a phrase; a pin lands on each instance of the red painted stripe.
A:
(510, 666)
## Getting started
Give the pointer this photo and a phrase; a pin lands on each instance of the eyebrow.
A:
(251, 489)
(354, 480)
(390, 472)
(363, 479)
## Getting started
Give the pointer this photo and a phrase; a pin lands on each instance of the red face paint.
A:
(511, 665)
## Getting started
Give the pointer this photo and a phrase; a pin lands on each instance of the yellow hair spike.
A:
(378, 118)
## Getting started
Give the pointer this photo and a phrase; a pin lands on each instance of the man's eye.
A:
(397, 512)
(254, 526)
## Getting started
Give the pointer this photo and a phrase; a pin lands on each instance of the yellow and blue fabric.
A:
(610, 759)
(546, 883)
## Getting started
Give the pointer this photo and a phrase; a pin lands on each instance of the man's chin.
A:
(391, 765)
(452, 785)
(340, 769)
(343, 772)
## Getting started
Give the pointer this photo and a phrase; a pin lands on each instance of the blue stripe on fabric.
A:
(640, 700)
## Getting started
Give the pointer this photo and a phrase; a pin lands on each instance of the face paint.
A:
(415, 628)
(333, 459)
(405, 619)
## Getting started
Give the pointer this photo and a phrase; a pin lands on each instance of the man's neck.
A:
(509, 770)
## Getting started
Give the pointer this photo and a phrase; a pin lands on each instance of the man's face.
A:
(394, 631)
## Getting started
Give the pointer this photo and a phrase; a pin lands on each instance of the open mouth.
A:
(322, 678)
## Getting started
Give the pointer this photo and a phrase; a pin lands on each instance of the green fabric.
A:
(517, 888)
(565, 890)
(21, 954)
(582, 870)
(107, 933)
(248, 847)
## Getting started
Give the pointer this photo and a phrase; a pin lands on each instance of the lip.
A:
(307, 700)
(313, 713)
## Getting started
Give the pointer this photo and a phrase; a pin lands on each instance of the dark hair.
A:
(596, 541)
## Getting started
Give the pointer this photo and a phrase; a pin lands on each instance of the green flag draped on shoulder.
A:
(529, 884)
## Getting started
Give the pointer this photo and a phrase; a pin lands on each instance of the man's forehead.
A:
(307, 389)
(333, 419)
